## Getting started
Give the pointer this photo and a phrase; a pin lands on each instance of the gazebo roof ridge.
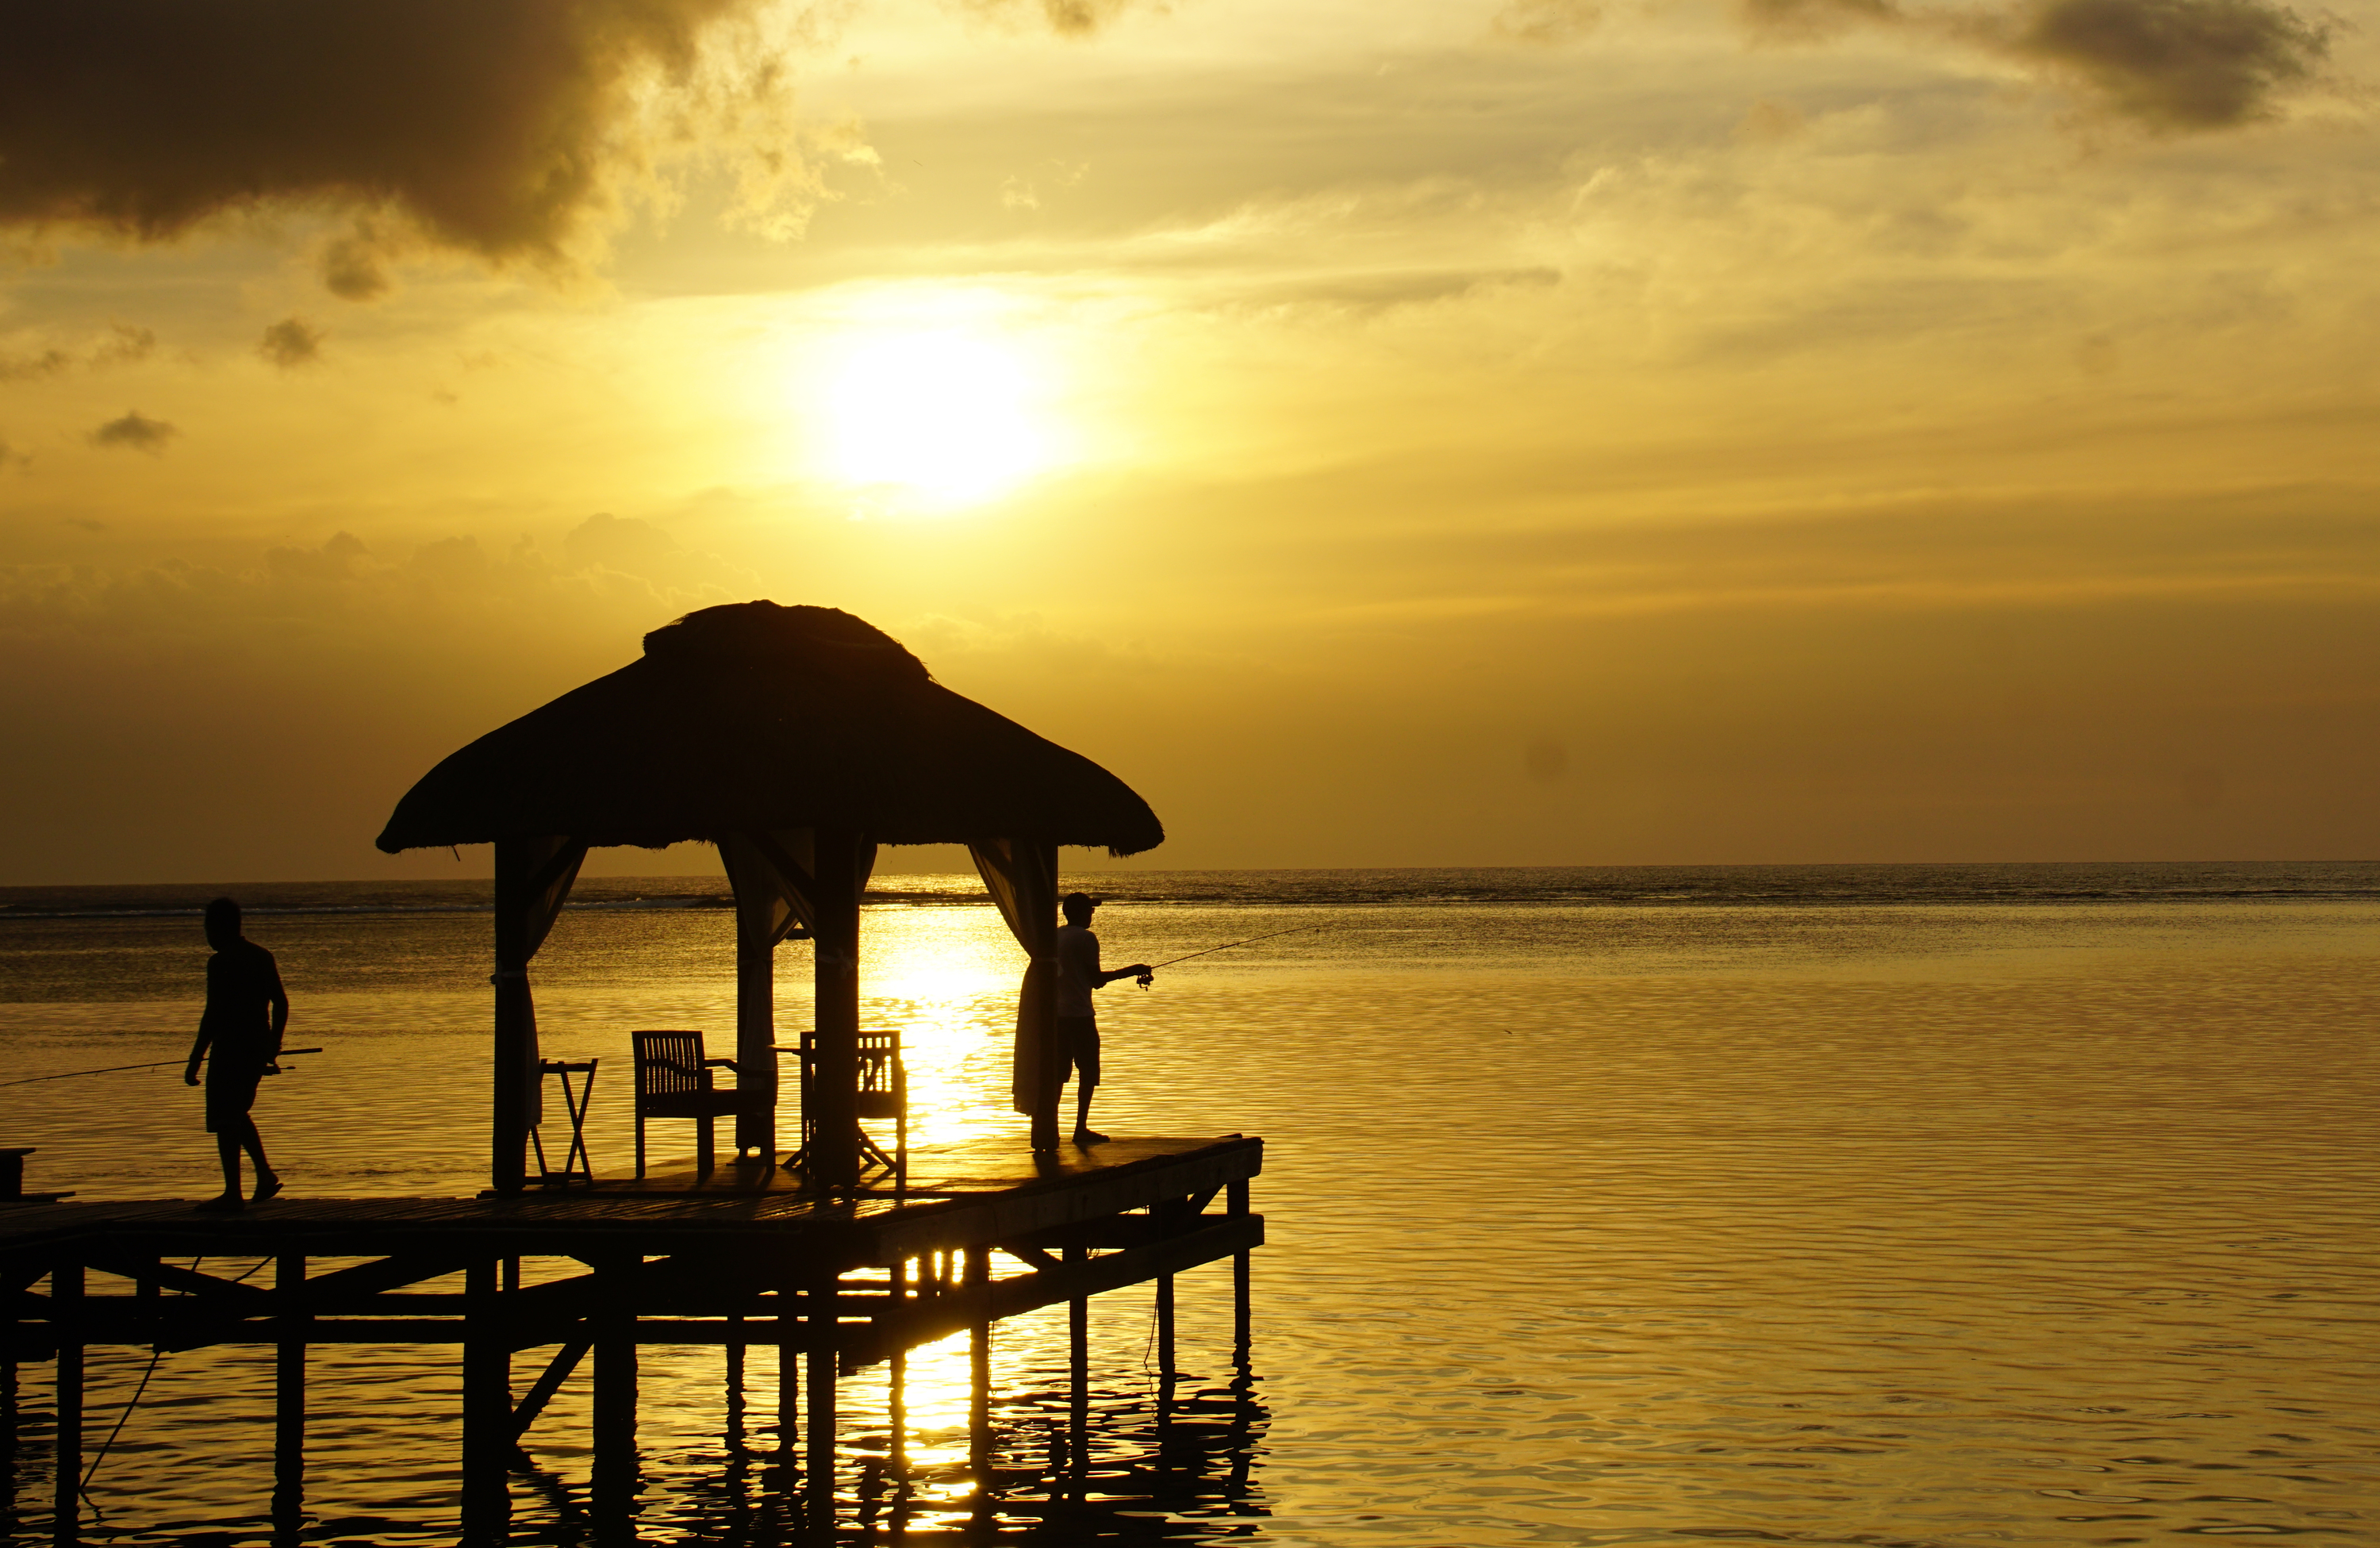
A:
(823, 639)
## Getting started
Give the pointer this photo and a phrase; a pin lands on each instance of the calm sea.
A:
(1874, 1204)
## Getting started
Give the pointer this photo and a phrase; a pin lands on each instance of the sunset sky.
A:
(1409, 433)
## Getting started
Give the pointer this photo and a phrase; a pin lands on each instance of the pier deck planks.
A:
(957, 1196)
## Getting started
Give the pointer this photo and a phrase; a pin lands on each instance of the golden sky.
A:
(1527, 431)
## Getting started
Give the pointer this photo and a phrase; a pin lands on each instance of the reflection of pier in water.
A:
(737, 1259)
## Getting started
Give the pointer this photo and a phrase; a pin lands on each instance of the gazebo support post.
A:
(756, 1028)
(835, 1134)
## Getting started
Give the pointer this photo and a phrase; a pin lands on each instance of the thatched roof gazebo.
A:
(796, 739)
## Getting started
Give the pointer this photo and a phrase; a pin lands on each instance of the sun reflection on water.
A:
(946, 979)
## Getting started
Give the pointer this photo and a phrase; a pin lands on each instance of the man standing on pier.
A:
(239, 1038)
(1077, 1023)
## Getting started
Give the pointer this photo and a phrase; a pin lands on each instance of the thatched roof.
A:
(754, 716)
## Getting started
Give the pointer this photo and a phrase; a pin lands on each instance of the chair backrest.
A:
(668, 1062)
(880, 1058)
(878, 1051)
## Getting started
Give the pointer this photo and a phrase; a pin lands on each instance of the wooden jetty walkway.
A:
(797, 741)
(738, 1256)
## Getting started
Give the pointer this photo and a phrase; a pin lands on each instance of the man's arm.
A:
(198, 1053)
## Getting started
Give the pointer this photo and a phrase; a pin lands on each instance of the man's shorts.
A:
(1078, 1049)
(231, 1091)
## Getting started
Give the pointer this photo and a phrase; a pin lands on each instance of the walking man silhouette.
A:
(1076, 1022)
(239, 1038)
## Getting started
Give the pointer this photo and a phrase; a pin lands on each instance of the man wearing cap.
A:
(1077, 1023)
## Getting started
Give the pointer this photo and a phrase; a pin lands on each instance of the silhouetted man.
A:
(1077, 1023)
(239, 1038)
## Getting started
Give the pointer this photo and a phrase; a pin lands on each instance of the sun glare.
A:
(936, 420)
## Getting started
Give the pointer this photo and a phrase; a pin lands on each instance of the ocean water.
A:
(1883, 1205)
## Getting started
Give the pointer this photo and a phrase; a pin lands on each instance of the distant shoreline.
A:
(1899, 885)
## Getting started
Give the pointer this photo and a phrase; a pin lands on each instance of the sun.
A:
(939, 419)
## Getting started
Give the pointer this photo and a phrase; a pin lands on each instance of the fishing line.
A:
(118, 1069)
(125, 1418)
(1295, 930)
(121, 1420)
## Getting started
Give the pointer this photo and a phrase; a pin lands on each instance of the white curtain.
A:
(1023, 878)
(533, 880)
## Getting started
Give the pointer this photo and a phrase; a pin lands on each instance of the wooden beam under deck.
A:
(769, 1256)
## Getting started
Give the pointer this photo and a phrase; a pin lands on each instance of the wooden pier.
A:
(736, 1257)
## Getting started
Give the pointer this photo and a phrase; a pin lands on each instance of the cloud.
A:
(2176, 65)
(490, 127)
(614, 543)
(1067, 17)
(291, 342)
(135, 431)
(1547, 22)
(335, 560)
(121, 345)
(355, 267)
(2173, 66)
(84, 522)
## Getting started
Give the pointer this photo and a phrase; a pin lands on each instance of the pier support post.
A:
(1165, 1371)
(896, 1398)
(975, 1274)
(789, 1382)
(487, 1408)
(290, 1402)
(65, 1298)
(735, 1483)
(1238, 1194)
(8, 1440)
(818, 1492)
(734, 1383)
(1079, 1383)
(614, 1328)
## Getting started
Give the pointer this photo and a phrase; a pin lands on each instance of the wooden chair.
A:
(883, 1094)
(674, 1082)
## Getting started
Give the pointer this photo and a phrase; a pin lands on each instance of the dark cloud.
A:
(135, 431)
(119, 346)
(2177, 63)
(291, 342)
(32, 367)
(2170, 65)
(86, 523)
(488, 126)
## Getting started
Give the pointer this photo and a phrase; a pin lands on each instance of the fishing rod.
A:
(118, 1069)
(1295, 929)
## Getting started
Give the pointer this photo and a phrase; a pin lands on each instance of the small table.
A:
(870, 1153)
(12, 1180)
(576, 1166)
